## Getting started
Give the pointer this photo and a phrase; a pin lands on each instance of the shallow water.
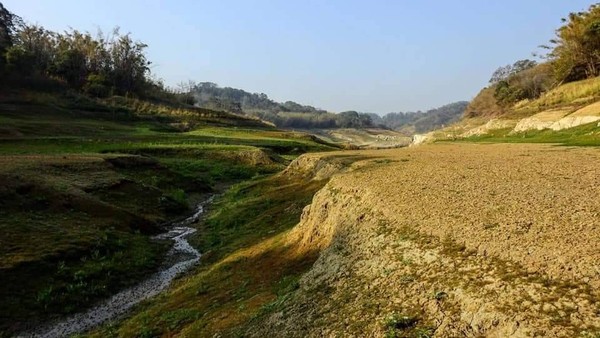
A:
(181, 257)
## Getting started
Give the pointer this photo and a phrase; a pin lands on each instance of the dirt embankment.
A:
(320, 166)
(369, 138)
(459, 240)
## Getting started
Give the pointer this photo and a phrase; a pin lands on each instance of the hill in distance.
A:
(293, 115)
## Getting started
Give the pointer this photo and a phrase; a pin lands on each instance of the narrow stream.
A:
(180, 258)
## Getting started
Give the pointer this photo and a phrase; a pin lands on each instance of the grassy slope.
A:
(85, 182)
(584, 135)
(569, 97)
(245, 269)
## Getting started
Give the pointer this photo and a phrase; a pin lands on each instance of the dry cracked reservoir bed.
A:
(449, 240)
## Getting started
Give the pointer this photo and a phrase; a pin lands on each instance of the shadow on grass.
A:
(249, 269)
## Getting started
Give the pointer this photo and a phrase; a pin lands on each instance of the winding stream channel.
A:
(180, 258)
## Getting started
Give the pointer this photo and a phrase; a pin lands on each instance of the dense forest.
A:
(210, 95)
(571, 56)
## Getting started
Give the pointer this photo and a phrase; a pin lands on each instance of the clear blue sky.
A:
(377, 56)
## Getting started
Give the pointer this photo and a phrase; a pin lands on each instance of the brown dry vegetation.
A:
(566, 114)
(484, 105)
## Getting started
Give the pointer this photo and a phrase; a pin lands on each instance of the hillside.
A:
(284, 115)
(129, 208)
(360, 263)
(411, 123)
(86, 184)
(210, 95)
(552, 101)
(568, 114)
(296, 116)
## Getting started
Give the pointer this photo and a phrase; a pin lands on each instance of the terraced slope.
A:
(450, 240)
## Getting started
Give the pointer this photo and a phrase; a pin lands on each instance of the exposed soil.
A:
(461, 240)
(371, 138)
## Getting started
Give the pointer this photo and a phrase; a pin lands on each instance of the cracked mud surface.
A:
(469, 240)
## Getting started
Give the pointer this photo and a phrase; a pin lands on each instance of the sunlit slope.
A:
(450, 240)
(568, 114)
(85, 183)
(417, 242)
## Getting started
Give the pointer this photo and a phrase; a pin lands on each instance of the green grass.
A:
(251, 211)
(76, 229)
(85, 182)
(247, 270)
(149, 144)
(585, 135)
(75, 124)
(111, 261)
(398, 325)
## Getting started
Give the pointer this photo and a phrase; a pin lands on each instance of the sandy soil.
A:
(471, 240)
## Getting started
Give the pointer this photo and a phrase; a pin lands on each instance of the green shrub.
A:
(96, 85)
(179, 196)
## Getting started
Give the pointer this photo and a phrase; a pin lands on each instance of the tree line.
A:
(573, 55)
(288, 114)
(104, 65)
(96, 64)
(421, 122)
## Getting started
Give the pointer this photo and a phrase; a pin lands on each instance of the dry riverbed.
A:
(451, 240)
(180, 258)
